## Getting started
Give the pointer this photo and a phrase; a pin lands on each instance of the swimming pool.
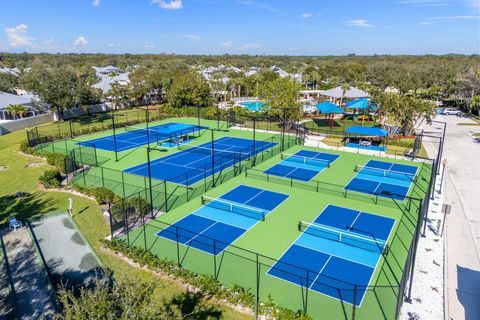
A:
(254, 106)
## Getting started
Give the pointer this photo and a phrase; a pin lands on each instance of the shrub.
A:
(57, 160)
(25, 147)
(103, 195)
(50, 179)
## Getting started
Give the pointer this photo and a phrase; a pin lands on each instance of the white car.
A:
(452, 111)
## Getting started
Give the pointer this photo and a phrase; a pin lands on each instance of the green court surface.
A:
(106, 172)
(265, 242)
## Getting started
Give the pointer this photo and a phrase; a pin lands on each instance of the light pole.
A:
(444, 162)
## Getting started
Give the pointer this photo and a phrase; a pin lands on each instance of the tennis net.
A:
(248, 211)
(143, 131)
(385, 173)
(236, 155)
(327, 232)
(305, 160)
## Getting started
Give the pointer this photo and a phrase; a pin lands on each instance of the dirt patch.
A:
(3, 167)
(33, 164)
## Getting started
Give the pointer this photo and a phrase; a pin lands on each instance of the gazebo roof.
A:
(351, 93)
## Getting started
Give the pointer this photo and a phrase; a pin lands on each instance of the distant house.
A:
(107, 70)
(391, 90)
(282, 73)
(10, 71)
(252, 71)
(7, 99)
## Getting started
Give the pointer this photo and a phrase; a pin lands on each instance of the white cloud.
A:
(359, 23)
(227, 44)
(454, 18)
(96, 3)
(81, 41)
(425, 3)
(475, 4)
(17, 36)
(432, 20)
(306, 15)
(192, 37)
(50, 42)
(168, 4)
(251, 46)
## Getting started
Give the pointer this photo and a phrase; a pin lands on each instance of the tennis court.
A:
(134, 137)
(220, 222)
(340, 248)
(303, 165)
(195, 163)
(386, 179)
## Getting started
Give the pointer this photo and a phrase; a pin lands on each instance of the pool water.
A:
(254, 106)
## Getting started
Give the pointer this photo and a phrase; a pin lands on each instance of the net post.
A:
(354, 307)
(103, 179)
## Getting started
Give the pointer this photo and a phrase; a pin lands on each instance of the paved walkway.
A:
(35, 296)
(462, 245)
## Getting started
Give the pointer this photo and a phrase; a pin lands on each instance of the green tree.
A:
(475, 104)
(131, 300)
(189, 90)
(281, 99)
(58, 87)
(404, 111)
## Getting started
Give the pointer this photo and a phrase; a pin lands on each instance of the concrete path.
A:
(462, 245)
(35, 296)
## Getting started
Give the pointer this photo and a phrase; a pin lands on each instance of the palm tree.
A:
(17, 110)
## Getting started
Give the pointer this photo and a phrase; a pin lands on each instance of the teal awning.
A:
(329, 108)
(367, 131)
(358, 104)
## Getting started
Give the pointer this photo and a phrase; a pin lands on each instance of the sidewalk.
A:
(34, 294)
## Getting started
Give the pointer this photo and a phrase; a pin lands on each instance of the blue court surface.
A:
(195, 162)
(136, 137)
(220, 222)
(340, 249)
(386, 179)
(303, 165)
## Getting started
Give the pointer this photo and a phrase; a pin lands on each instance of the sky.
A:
(270, 27)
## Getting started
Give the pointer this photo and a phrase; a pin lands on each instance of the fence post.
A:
(354, 307)
(178, 246)
(305, 307)
(214, 259)
(257, 288)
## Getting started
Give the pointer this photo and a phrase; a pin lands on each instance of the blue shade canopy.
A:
(329, 108)
(367, 131)
(358, 104)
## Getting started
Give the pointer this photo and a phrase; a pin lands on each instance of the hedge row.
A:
(236, 294)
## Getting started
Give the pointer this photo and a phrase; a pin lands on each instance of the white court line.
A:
(320, 272)
(354, 220)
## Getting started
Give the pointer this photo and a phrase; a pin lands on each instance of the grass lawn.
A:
(20, 173)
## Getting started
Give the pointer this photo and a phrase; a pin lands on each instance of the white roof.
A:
(7, 99)
(351, 93)
(106, 82)
(13, 72)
